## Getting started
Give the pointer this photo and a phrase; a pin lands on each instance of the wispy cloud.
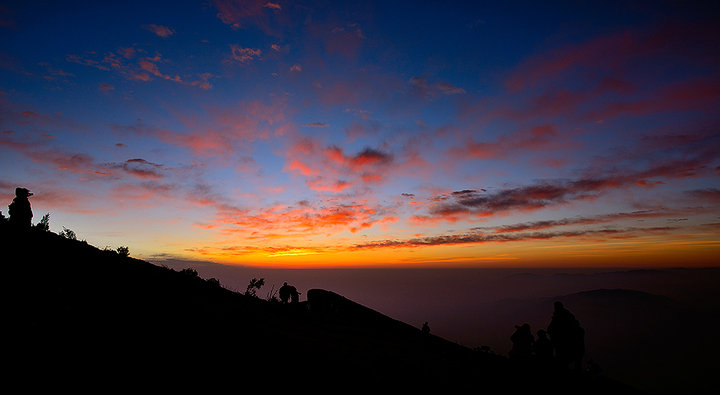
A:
(244, 55)
(480, 238)
(536, 139)
(316, 124)
(241, 14)
(219, 131)
(160, 30)
(425, 89)
(133, 64)
(331, 169)
(550, 193)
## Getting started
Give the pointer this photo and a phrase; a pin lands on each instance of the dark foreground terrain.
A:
(77, 315)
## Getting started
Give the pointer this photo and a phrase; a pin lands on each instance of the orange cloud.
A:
(304, 219)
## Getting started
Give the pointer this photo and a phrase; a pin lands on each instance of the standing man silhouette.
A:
(19, 210)
(284, 293)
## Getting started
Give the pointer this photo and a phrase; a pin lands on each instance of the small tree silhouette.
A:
(68, 234)
(254, 286)
(44, 224)
(123, 251)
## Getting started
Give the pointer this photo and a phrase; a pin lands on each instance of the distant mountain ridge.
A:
(78, 309)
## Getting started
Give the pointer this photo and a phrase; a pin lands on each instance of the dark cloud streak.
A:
(479, 238)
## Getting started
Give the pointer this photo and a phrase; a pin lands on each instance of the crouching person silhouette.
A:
(19, 210)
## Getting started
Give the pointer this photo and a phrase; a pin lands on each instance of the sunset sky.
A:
(370, 133)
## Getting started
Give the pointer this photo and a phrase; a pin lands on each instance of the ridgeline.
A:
(75, 312)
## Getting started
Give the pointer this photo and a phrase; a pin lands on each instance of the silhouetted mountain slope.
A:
(76, 312)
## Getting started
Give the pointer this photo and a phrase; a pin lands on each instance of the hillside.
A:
(78, 311)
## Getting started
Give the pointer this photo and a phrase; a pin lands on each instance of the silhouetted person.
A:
(523, 342)
(294, 295)
(426, 329)
(288, 292)
(19, 210)
(567, 337)
(543, 347)
(284, 293)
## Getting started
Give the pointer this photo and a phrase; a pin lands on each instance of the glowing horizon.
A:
(286, 134)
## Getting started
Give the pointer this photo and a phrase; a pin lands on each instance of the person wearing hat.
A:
(19, 210)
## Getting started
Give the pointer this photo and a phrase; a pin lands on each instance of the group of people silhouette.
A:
(288, 292)
(19, 210)
(565, 346)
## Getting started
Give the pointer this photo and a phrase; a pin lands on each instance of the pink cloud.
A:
(536, 139)
(696, 93)
(221, 131)
(160, 30)
(86, 165)
(706, 196)
(244, 55)
(471, 204)
(240, 14)
(612, 53)
(612, 72)
(330, 169)
(143, 69)
(428, 90)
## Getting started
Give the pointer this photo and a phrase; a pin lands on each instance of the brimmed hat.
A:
(22, 192)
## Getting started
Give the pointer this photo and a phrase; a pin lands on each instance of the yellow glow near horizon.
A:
(635, 253)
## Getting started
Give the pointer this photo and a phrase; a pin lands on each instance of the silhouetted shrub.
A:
(214, 281)
(44, 224)
(254, 286)
(272, 295)
(68, 234)
(189, 272)
(123, 251)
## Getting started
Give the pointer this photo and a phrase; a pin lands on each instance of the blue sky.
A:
(310, 133)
